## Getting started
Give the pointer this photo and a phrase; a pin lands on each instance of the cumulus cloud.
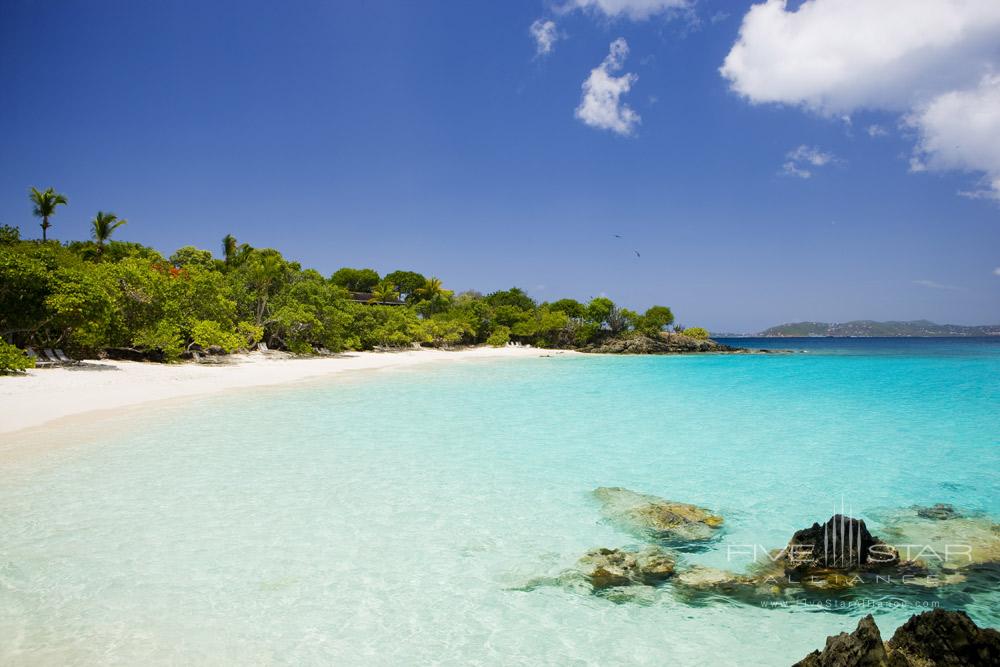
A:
(601, 105)
(637, 10)
(920, 59)
(960, 130)
(545, 34)
(800, 160)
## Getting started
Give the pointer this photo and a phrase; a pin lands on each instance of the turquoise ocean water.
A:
(393, 518)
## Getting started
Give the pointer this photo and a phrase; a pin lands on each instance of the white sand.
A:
(47, 394)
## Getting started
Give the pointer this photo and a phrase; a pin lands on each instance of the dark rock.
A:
(842, 543)
(945, 638)
(861, 648)
(935, 638)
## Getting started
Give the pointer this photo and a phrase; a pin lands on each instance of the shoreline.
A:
(48, 395)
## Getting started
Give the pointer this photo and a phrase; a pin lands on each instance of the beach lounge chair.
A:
(51, 356)
(39, 361)
(262, 347)
(63, 358)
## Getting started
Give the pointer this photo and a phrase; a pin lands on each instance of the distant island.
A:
(870, 328)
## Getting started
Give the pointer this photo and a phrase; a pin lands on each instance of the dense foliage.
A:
(13, 360)
(696, 332)
(89, 296)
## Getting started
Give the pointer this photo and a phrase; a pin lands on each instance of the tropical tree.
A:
(571, 307)
(103, 226)
(515, 297)
(432, 297)
(45, 206)
(431, 289)
(229, 248)
(406, 283)
(356, 280)
(655, 320)
(384, 292)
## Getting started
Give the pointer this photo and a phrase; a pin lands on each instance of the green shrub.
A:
(499, 337)
(9, 235)
(13, 360)
(208, 333)
(164, 337)
(442, 332)
(696, 332)
(250, 332)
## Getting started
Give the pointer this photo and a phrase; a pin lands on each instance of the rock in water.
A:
(673, 343)
(938, 512)
(935, 638)
(842, 543)
(861, 648)
(654, 517)
(606, 568)
(957, 541)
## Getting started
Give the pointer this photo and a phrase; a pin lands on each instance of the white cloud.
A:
(876, 130)
(837, 56)
(637, 10)
(996, 271)
(922, 59)
(545, 34)
(934, 285)
(960, 130)
(799, 160)
(601, 105)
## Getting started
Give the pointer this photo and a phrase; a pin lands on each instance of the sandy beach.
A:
(49, 394)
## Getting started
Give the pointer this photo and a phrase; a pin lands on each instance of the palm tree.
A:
(104, 225)
(45, 206)
(432, 297)
(432, 288)
(229, 248)
(384, 292)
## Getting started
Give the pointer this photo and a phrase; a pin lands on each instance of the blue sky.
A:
(434, 136)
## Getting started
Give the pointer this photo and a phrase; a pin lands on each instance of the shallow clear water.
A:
(391, 517)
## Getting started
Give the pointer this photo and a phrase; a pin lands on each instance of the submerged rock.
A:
(656, 518)
(938, 512)
(699, 580)
(935, 638)
(841, 544)
(607, 568)
(945, 540)
(618, 574)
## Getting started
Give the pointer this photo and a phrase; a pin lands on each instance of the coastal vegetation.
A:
(12, 360)
(103, 296)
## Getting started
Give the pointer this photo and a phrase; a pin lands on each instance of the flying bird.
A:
(637, 253)
(618, 236)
